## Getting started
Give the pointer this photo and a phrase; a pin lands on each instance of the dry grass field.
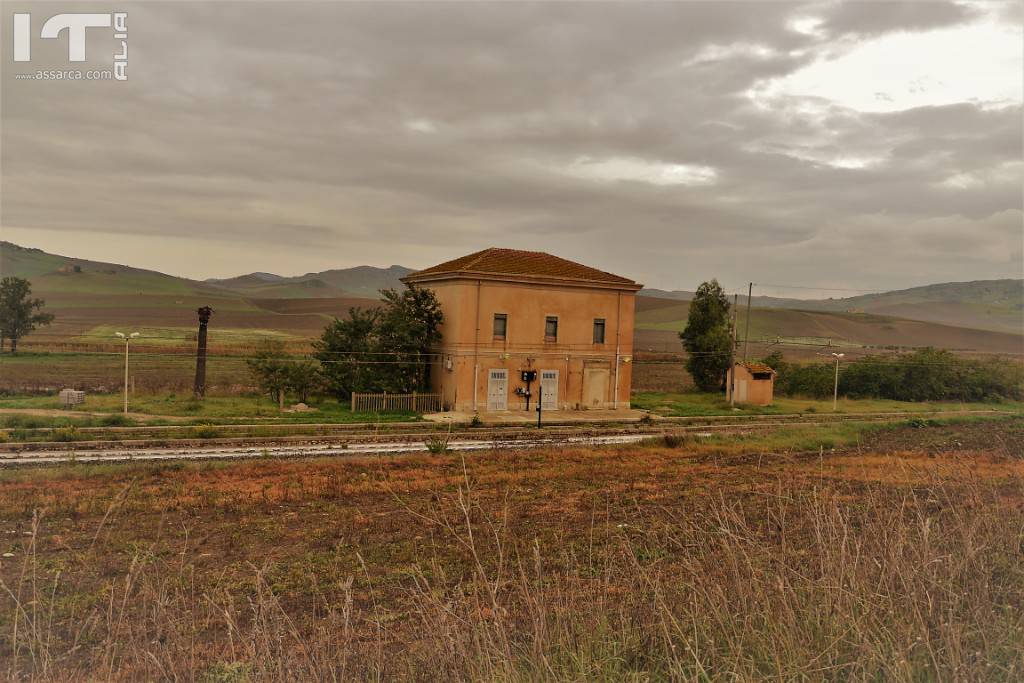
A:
(826, 554)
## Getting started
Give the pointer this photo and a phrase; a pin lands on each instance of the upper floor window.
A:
(599, 330)
(500, 325)
(551, 328)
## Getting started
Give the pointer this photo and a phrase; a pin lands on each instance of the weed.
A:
(437, 444)
(65, 434)
(205, 431)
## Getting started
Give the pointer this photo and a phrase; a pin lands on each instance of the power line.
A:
(824, 289)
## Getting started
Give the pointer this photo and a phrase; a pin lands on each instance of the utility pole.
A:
(732, 354)
(127, 338)
(746, 333)
(835, 390)
(199, 389)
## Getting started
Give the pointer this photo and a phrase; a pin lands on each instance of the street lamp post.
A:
(127, 338)
(835, 389)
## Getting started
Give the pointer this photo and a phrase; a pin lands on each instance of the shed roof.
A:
(757, 367)
(518, 263)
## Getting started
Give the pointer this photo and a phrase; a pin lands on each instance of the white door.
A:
(549, 389)
(741, 391)
(497, 390)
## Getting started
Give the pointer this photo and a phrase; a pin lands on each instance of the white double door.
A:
(497, 390)
(549, 389)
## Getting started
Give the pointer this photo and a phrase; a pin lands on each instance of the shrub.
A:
(925, 375)
(206, 431)
(65, 434)
(675, 440)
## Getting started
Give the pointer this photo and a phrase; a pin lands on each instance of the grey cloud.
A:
(284, 128)
(872, 17)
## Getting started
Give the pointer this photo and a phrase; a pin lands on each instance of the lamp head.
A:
(120, 334)
(838, 355)
(133, 335)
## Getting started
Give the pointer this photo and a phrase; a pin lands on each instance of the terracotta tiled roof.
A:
(496, 261)
(757, 367)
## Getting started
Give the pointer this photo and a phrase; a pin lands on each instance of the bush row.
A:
(925, 375)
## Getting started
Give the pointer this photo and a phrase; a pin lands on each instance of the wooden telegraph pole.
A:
(199, 390)
(746, 332)
(732, 354)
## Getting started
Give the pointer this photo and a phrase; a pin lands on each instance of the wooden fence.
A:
(396, 403)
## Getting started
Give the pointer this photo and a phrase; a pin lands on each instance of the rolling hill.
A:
(92, 298)
(996, 305)
(660, 321)
(361, 281)
(89, 297)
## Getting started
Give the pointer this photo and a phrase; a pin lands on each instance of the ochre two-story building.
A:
(518, 322)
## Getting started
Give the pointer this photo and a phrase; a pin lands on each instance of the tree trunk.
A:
(14, 344)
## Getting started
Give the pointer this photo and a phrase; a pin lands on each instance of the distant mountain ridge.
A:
(995, 305)
(363, 281)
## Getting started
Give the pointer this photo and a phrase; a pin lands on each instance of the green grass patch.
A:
(703, 404)
(177, 336)
(212, 409)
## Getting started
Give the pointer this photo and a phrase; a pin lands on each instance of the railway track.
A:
(356, 443)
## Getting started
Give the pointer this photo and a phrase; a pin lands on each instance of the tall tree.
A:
(409, 326)
(707, 337)
(19, 313)
(344, 349)
(384, 349)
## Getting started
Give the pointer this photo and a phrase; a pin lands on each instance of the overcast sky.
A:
(847, 145)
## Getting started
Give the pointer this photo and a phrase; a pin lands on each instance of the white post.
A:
(835, 389)
(127, 338)
(126, 375)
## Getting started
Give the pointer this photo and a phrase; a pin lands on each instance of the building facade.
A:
(521, 326)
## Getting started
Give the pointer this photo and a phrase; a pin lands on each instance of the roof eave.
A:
(416, 278)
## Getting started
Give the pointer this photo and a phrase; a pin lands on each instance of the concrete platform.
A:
(550, 416)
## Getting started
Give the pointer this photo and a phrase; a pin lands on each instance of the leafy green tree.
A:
(408, 327)
(270, 367)
(383, 349)
(344, 349)
(707, 337)
(304, 378)
(19, 314)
